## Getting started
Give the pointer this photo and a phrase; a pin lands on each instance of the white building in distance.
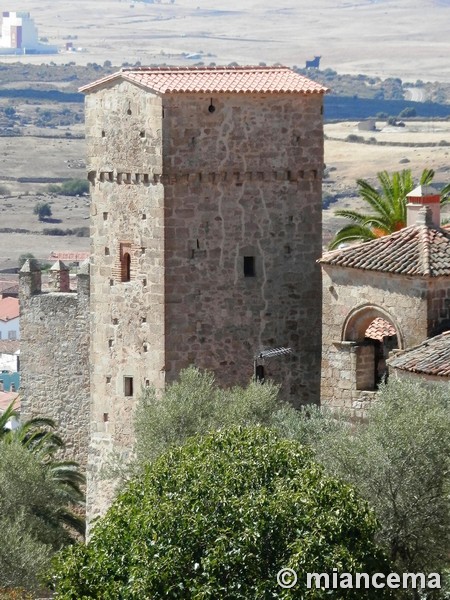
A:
(20, 35)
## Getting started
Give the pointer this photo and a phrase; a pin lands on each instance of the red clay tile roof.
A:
(9, 309)
(9, 287)
(379, 329)
(9, 346)
(166, 80)
(6, 398)
(69, 256)
(432, 357)
(417, 250)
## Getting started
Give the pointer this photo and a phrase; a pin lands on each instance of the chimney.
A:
(423, 196)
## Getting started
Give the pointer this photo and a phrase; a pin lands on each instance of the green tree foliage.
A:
(196, 404)
(74, 187)
(37, 436)
(24, 257)
(399, 461)
(31, 501)
(387, 206)
(43, 210)
(218, 518)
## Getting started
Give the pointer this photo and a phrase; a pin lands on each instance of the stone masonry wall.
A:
(364, 294)
(438, 305)
(54, 361)
(189, 193)
(244, 180)
(124, 147)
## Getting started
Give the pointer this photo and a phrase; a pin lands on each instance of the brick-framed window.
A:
(125, 261)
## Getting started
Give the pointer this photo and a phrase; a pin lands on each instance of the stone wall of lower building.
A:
(54, 357)
(352, 298)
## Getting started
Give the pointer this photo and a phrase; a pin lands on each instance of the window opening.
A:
(249, 266)
(128, 386)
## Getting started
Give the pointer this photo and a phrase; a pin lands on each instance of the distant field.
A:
(396, 38)
(63, 158)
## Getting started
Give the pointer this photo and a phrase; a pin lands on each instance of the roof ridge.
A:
(424, 249)
(176, 69)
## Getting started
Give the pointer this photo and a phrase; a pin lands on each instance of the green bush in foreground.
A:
(195, 404)
(218, 518)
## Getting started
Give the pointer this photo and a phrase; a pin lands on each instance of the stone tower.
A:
(206, 228)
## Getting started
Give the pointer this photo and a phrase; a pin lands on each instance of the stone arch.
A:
(374, 333)
(359, 319)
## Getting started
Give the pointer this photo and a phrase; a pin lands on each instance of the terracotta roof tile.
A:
(69, 256)
(9, 346)
(379, 329)
(6, 398)
(417, 250)
(9, 309)
(432, 357)
(168, 80)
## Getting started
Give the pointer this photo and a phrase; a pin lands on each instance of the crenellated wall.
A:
(54, 354)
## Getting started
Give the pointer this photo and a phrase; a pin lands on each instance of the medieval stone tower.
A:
(205, 229)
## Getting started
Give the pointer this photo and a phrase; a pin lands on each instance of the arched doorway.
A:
(375, 334)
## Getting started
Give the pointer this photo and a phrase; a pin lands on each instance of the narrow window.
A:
(128, 386)
(259, 373)
(108, 379)
(12, 335)
(106, 251)
(105, 216)
(249, 266)
(105, 417)
(125, 267)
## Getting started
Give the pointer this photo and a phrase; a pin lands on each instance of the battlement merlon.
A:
(30, 279)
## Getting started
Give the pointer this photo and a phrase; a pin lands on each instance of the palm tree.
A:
(388, 206)
(38, 437)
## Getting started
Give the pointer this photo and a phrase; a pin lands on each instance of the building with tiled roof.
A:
(213, 80)
(205, 232)
(430, 359)
(399, 283)
(418, 250)
(9, 318)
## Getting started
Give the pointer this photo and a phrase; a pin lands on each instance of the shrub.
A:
(399, 461)
(43, 210)
(74, 187)
(218, 518)
(195, 404)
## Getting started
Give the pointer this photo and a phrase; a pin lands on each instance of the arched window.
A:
(375, 334)
(125, 265)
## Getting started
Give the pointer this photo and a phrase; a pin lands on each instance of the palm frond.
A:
(351, 233)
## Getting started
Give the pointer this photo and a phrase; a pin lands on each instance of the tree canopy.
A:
(218, 518)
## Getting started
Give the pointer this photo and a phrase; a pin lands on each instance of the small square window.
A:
(249, 266)
(12, 335)
(143, 319)
(128, 386)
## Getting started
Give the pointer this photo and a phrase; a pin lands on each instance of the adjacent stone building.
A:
(400, 281)
(55, 353)
(205, 229)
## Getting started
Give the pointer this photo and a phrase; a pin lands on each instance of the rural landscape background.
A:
(377, 57)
